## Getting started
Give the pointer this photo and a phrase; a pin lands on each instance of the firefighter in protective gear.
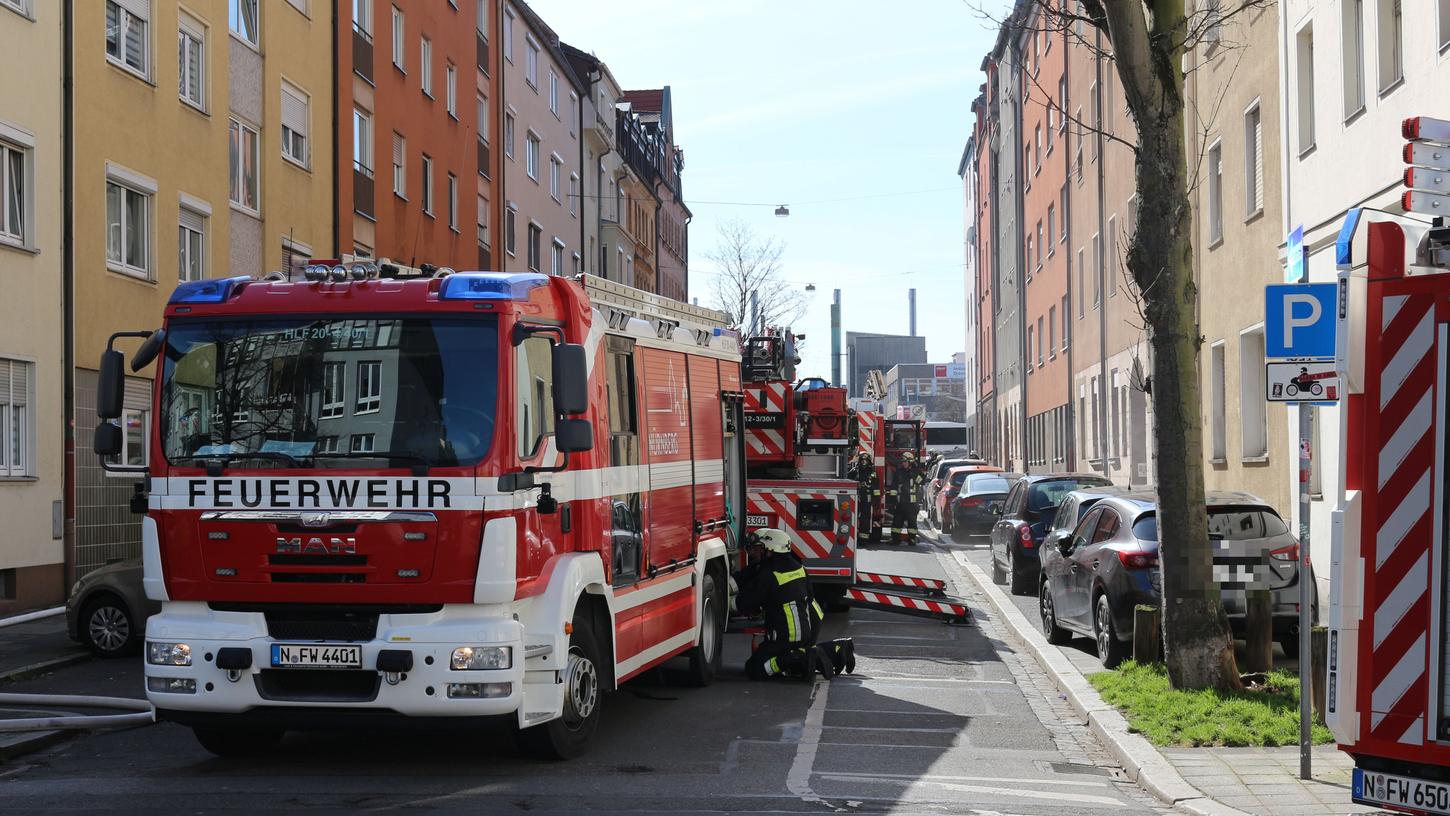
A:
(868, 492)
(776, 586)
(909, 478)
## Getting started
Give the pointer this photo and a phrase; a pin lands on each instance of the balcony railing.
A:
(362, 190)
(362, 53)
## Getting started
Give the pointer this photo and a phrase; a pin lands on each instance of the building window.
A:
(425, 65)
(508, 134)
(1039, 342)
(1253, 415)
(1352, 34)
(573, 193)
(1304, 54)
(531, 64)
(369, 387)
(1065, 311)
(191, 62)
(1081, 290)
(555, 166)
(453, 202)
(1391, 45)
(450, 76)
(22, 6)
(1112, 261)
(243, 21)
(1028, 356)
(133, 438)
(510, 228)
(1051, 226)
(1077, 152)
(553, 93)
(1444, 12)
(1253, 161)
(14, 194)
(1218, 437)
(573, 113)
(191, 245)
(363, 443)
(294, 124)
(1051, 332)
(16, 419)
(1037, 149)
(362, 141)
(334, 390)
(326, 444)
(399, 40)
(557, 265)
(1215, 194)
(427, 176)
(483, 239)
(535, 232)
(400, 165)
(128, 229)
(1040, 245)
(1097, 270)
(508, 34)
(531, 155)
(244, 161)
(127, 40)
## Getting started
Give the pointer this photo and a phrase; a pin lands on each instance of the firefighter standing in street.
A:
(776, 586)
(868, 490)
(907, 502)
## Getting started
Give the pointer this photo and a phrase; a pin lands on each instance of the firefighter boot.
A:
(820, 662)
(843, 655)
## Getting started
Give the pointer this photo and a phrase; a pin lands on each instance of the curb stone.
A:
(1140, 760)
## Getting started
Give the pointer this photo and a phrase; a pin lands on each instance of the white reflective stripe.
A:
(665, 475)
(1416, 346)
(1405, 438)
(153, 575)
(1401, 598)
(1409, 511)
(652, 592)
(495, 580)
(628, 665)
(1415, 734)
(1397, 682)
(1390, 307)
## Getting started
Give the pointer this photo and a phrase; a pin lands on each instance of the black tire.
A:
(705, 656)
(1290, 645)
(108, 628)
(999, 576)
(1017, 578)
(833, 598)
(238, 742)
(1056, 635)
(1111, 651)
(567, 736)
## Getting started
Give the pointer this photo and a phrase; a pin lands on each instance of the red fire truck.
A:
(797, 438)
(375, 494)
(1388, 689)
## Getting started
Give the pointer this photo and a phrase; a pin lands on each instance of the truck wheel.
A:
(833, 598)
(240, 742)
(705, 657)
(567, 736)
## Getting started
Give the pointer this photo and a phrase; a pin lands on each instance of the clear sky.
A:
(806, 100)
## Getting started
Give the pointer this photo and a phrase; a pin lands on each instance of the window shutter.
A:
(5, 377)
(294, 112)
(192, 220)
(397, 149)
(140, 8)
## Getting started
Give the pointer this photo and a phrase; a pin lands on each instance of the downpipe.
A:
(141, 712)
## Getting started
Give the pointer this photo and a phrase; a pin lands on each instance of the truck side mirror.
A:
(571, 380)
(149, 350)
(109, 385)
(107, 441)
(573, 435)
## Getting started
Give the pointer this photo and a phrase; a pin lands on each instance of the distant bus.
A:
(946, 436)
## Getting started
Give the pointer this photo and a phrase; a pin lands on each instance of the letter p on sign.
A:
(1299, 320)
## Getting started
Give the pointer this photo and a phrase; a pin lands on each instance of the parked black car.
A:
(1092, 580)
(971, 508)
(108, 608)
(1024, 517)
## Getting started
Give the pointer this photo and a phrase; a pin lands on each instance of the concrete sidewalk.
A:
(37, 646)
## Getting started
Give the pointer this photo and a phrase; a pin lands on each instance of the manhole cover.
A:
(1073, 768)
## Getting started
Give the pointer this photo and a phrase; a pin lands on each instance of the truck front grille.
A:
(318, 685)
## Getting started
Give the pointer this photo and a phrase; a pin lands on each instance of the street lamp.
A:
(782, 211)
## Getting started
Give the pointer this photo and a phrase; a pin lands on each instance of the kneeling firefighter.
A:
(776, 586)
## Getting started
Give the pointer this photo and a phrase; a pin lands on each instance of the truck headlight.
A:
(474, 658)
(168, 654)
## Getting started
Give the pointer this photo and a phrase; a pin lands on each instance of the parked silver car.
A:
(107, 610)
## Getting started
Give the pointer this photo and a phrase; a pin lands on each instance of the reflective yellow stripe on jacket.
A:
(783, 578)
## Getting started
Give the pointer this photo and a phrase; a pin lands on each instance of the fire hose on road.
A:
(140, 712)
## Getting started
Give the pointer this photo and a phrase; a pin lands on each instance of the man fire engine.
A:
(1389, 657)
(776, 586)
(375, 494)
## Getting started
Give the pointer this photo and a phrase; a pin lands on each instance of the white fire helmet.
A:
(773, 540)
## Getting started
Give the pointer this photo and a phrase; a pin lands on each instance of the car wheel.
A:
(1056, 635)
(1017, 577)
(107, 627)
(238, 742)
(1111, 651)
(567, 736)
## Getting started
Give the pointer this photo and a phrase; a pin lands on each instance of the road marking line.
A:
(798, 781)
(850, 677)
(1083, 798)
(953, 778)
(896, 730)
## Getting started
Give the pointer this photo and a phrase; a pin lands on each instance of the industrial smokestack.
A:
(911, 301)
(836, 338)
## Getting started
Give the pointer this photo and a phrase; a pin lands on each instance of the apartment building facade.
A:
(967, 172)
(32, 371)
(653, 112)
(1008, 321)
(201, 149)
(1350, 72)
(1233, 91)
(603, 164)
(989, 435)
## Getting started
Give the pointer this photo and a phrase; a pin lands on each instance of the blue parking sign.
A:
(1300, 320)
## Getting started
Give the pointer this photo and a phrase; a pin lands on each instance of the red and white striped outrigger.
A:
(909, 581)
(948, 609)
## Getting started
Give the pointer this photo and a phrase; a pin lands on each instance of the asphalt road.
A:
(937, 719)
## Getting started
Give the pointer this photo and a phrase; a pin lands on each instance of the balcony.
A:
(362, 54)
(362, 191)
(485, 167)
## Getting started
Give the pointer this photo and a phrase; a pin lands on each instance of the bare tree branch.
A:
(745, 265)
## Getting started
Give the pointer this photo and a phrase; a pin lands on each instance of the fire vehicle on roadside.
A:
(434, 495)
(1388, 678)
(884, 443)
(797, 436)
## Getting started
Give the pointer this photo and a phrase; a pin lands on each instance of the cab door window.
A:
(1107, 526)
(533, 394)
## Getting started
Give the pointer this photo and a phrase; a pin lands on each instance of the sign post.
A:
(1300, 320)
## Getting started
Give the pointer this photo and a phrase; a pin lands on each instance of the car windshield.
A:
(1051, 493)
(299, 392)
(986, 483)
(1244, 523)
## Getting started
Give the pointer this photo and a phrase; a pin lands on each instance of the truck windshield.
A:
(330, 392)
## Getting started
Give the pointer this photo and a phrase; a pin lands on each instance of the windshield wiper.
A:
(420, 463)
(220, 460)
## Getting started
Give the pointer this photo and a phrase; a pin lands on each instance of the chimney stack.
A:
(911, 308)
